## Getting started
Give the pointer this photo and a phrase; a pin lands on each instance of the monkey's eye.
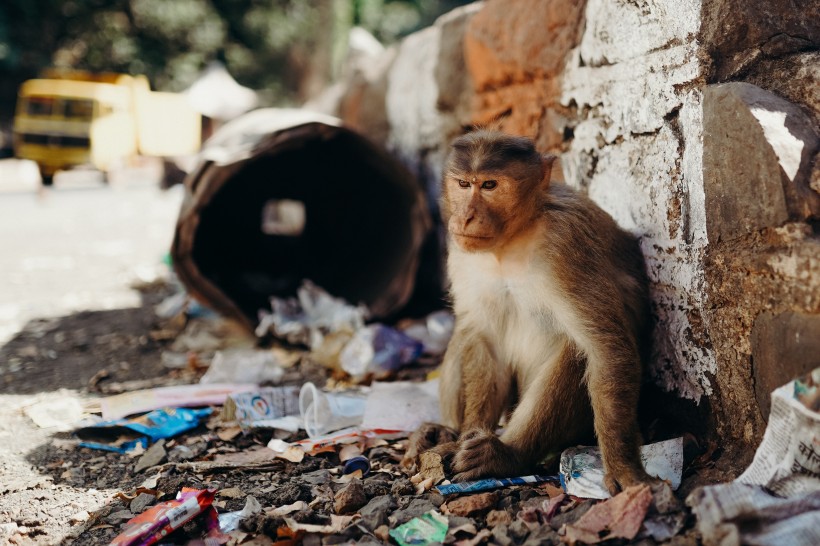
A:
(489, 184)
(463, 184)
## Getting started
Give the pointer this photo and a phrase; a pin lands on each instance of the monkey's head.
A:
(494, 186)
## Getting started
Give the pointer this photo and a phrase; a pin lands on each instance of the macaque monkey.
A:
(551, 305)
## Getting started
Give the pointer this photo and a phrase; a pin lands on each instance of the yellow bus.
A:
(102, 120)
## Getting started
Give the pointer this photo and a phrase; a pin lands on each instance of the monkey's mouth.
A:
(470, 236)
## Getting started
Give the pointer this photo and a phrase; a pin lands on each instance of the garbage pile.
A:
(300, 442)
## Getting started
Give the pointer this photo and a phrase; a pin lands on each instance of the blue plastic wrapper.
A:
(491, 483)
(122, 435)
(378, 348)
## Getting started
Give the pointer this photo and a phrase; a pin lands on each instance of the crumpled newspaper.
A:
(777, 499)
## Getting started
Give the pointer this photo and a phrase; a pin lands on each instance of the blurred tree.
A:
(284, 48)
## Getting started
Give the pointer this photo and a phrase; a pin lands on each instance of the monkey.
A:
(551, 305)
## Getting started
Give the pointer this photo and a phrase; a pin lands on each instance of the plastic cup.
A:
(324, 412)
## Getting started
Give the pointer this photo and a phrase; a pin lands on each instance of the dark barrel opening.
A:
(308, 200)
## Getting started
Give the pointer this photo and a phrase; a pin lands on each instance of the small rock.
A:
(501, 536)
(542, 535)
(317, 477)
(141, 502)
(402, 487)
(375, 513)
(436, 498)
(376, 488)
(119, 517)
(153, 456)
(471, 504)
(181, 453)
(350, 498)
(231, 493)
(498, 517)
(415, 509)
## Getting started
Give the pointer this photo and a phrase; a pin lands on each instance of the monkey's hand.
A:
(427, 436)
(482, 454)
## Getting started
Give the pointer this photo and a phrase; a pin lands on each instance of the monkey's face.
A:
(492, 190)
(482, 209)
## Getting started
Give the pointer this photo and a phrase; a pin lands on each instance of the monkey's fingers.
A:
(482, 454)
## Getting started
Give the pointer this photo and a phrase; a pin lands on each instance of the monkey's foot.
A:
(482, 454)
(619, 476)
(427, 436)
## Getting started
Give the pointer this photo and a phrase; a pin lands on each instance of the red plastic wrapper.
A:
(159, 521)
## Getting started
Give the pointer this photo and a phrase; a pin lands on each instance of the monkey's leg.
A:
(474, 391)
(614, 378)
(554, 412)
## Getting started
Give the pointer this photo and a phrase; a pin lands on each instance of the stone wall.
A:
(694, 123)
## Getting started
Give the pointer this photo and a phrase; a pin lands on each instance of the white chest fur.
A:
(514, 302)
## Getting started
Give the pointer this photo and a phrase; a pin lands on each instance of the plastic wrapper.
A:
(491, 483)
(582, 469)
(324, 412)
(401, 405)
(229, 521)
(273, 407)
(306, 319)
(434, 332)
(122, 435)
(378, 349)
(158, 521)
(428, 528)
(243, 366)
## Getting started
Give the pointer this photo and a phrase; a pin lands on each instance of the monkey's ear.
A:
(547, 161)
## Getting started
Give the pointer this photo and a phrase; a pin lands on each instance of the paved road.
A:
(80, 244)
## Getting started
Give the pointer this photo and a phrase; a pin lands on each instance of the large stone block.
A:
(515, 51)
(511, 41)
(758, 151)
(737, 33)
(784, 346)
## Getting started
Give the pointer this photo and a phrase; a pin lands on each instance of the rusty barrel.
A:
(281, 195)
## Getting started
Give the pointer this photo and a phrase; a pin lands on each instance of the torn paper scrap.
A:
(401, 405)
(582, 470)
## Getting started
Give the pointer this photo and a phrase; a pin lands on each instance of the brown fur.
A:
(551, 305)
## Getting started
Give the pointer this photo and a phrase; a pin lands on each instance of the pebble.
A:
(350, 498)
(374, 513)
(471, 504)
(141, 502)
(153, 456)
(118, 517)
